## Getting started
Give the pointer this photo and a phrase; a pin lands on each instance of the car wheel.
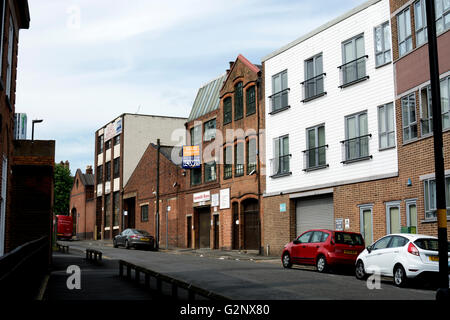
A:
(287, 260)
(127, 245)
(399, 276)
(321, 264)
(359, 271)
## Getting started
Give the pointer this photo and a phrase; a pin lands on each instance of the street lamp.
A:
(32, 127)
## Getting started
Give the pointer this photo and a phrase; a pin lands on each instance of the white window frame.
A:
(423, 28)
(384, 50)
(408, 203)
(407, 32)
(442, 16)
(428, 108)
(388, 131)
(410, 124)
(389, 205)
(363, 208)
(430, 214)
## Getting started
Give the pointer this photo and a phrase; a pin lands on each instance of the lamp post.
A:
(32, 127)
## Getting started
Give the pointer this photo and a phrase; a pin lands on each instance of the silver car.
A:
(134, 238)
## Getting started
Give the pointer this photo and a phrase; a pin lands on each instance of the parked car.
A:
(400, 256)
(64, 227)
(323, 248)
(134, 238)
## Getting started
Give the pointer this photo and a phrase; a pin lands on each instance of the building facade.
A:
(330, 129)
(14, 16)
(119, 146)
(82, 204)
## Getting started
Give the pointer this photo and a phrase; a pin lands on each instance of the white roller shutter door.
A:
(314, 213)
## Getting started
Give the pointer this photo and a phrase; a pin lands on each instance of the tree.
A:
(63, 186)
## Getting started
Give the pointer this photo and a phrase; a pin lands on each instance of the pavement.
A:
(98, 281)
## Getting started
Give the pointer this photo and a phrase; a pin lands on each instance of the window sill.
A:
(383, 65)
(387, 148)
(279, 110)
(227, 178)
(433, 220)
(225, 123)
(314, 97)
(353, 82)
(425, 136)
(250, 114)
(240, 118)
(280, 175)
(316, 168)
(357, 160)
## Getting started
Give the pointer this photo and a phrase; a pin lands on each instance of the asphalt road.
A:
(260, 280)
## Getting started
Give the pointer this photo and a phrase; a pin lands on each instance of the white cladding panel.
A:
(332, 108)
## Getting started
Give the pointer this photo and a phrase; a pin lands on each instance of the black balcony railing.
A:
(315, 158)
(356, 149)
(313, 87)
(279, 101)
(353, 71)
(280, 165)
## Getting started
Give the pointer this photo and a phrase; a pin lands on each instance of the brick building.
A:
(142, 187)
(82, 204)
(241, 122)
(14, 16)
(119, 146)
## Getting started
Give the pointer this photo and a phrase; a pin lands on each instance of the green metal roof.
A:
(207, 99)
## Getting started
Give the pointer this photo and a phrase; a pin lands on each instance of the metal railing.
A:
(279, 101)
(280, 165)
(192, 290)
(314, 158)
(313, 87)
(356, 149)
(23, 269)
(353, 71)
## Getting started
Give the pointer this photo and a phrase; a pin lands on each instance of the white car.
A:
(401, 256)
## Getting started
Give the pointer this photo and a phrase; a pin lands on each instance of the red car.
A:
(64, 227)
(323, 248)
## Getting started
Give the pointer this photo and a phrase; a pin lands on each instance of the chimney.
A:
(231, 64)
(88, 169)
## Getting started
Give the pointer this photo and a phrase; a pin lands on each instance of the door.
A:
(299, 249)
(189, 232)
(392, 251)
(314, 213)
(235, 226)
(251, 225)
(376, 261)
(312, 247)
(204, 221)
(216, 231)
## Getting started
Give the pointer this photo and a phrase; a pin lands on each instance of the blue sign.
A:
(191, 157)
(282, 207)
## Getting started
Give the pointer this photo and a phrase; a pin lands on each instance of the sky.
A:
(82, 63)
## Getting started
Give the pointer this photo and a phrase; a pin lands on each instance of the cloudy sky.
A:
(84, 62)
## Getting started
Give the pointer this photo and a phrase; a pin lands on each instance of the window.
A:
(108, 145)
(316, 237)
(210, 171)
(398, 242)
(116, 140)
(393, 217)
(386, 127)
(10, 58)
(356, 145)
(251, 156)
(353, 67)
(305, 237)
(239, 159)
(144, 213)
(108, 171)
(382, 44)
(2, 31)
(313, 84)
(404, 32)
(426, 114)
(315, 154)
(210, 130)
(445, 103)
(100, 174)
(409, 117)
(382, 243)
(100, 142)
(116, 173)
(238, 101)
(430, 197)
(108, 210)
(280, 91)
(196, 176)
(365, 213)
(420, 19)
(228, 162)
(411, 213)
(250, 100)
(116, 209)
(196, 135)
(442, 8)
(280, 163)
(227, 110)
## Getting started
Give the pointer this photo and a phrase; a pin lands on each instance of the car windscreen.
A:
(143, 232)
(348, 238)
(428, 244)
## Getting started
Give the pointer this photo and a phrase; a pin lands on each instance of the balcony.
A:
(315, 158)
(313, 88)
(353, 72)
(356, 149)
(280, 166)
(279, 101)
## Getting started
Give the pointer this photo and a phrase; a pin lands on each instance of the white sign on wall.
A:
(225, 198)
(215, 200)
(201, 196)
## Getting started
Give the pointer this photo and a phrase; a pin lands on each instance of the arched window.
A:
(238, 101)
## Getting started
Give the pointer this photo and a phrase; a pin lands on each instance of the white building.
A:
(330, 117)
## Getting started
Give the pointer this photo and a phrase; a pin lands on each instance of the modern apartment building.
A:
(330, 128)
(119, 146)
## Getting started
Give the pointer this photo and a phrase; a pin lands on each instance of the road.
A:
(259, 279)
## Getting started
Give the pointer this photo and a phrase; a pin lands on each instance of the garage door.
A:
(314, 213)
